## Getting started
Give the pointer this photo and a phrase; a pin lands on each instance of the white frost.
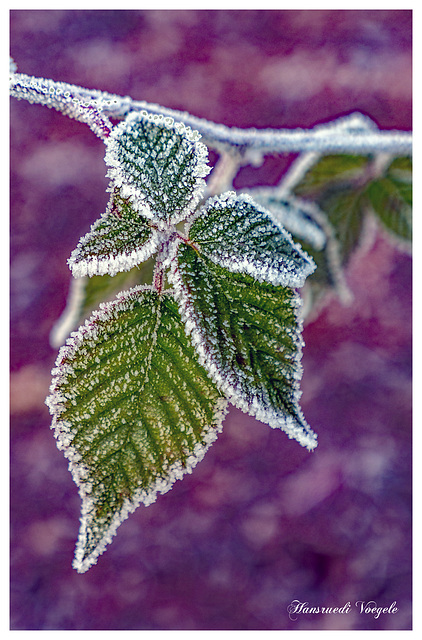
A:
(113, 264)
(230, 382)
(131, 169)
(240, 235)
(65, 432)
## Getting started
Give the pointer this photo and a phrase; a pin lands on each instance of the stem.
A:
(296, 172)
(165, 255)
(351, 134)
(158, 276)
(223, 174)
(63, 97)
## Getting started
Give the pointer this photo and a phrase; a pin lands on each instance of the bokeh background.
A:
(261, 522)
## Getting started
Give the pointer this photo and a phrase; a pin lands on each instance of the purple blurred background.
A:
(261, 522)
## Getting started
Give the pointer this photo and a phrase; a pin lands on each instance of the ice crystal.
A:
(119, 240)
(159, 164)
(236, 233)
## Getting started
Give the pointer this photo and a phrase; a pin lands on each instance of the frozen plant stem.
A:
(350, 134)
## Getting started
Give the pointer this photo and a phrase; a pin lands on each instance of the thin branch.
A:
(351, 134)
(66, 98)
(223, 174)
(296, 172)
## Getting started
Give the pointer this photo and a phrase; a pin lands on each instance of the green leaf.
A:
(234, 232)
(158, 164)
(336, 183)
(346, 210)
(388, 199)
(294, 214)
(391, 198)
(119, 240)
(132, 410)
(329, 170)
(344, 187)
(248, 337)
(401, 168)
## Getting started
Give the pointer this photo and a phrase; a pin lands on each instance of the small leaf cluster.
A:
(140, 390)
(210, 313)
(348, 189)
(331, 204)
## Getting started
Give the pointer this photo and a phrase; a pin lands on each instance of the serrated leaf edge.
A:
(263, 272)
(132, 191)
(113, 264)
(80, 472)
(228, 385)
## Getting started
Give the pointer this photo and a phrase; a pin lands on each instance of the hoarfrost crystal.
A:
(236, 233)
(161, 164)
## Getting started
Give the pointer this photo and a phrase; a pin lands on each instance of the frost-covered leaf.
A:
(234, 232)
(295, 214)
(132, 410)
(159, 164)
(119, 240)
(328, 276)
(247, 336)
(309, 227)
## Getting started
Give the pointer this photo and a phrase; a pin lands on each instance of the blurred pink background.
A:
(261, 522)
